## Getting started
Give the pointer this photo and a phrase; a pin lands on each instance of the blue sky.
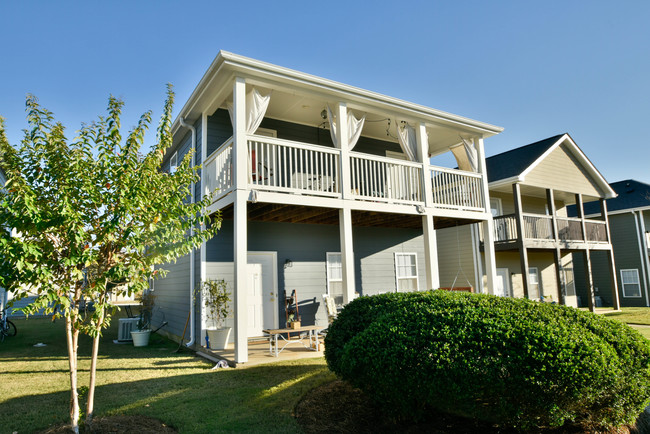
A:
(536, 69)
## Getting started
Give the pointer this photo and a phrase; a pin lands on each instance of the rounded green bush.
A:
(513, 362)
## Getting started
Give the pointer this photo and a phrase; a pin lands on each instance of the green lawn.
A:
(179, 389)
(632, 315)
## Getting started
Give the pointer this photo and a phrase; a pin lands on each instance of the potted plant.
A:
(215, 299)
(141, 335)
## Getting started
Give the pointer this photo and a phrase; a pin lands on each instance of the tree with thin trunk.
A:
(91, 218)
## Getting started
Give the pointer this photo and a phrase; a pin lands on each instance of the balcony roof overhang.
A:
(216, 86)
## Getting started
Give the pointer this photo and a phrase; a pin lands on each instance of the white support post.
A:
(240, 250)
(488, 225)
(347, 254)
(423, 157)
(204, 151)
(430, 252)
(342, 134)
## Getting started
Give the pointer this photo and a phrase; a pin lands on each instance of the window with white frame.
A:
(173, 163)
(630, 282)
(533, 276)
(495, 206)
(406, 272)
(335, 277)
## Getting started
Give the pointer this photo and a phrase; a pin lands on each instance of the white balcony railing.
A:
(283, 165)
(385, 179)
(456, 189)
(217, 171)
(293, 167)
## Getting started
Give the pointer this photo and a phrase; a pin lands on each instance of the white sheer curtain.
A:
(466, 155)
(355, 126)
(408, 141)
(256, 105)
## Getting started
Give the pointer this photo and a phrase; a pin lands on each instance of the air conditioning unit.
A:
(126, 326)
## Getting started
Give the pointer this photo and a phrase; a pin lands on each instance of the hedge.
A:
(512, 362)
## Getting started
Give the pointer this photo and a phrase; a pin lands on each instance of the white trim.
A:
(582, 158)
(499, 205)
(173, 162)
(274, 270)
(643, 254)
(638, 282)
(327, 271)
(644, 242)
(476, 255)
(227, 64)
(508, 287)
(534, 273)
(266, 132)
(397, 277)
(396, 155)
(621, 211)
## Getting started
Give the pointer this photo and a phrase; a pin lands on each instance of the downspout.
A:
(192, 300)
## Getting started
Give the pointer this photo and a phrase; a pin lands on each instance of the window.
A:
(495, 206)
(173, 163)
(406, 272)
(630, 282)
(533, 276)
(396, 155)
(335, 277)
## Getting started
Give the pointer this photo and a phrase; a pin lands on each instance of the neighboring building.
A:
(323, 187)
(629, 224)
(530, 188)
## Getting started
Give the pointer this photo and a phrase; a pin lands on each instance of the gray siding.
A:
(220, 129)
(305, 246)
(455, 257)
(626, 256)
(172, 296)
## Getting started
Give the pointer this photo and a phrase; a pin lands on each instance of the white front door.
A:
(262, 289)
(254, 300)
(502, 283)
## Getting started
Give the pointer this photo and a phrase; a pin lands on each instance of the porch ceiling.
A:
(280, 213)
(533, 191)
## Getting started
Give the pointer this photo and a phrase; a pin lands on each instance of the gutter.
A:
(192, 300)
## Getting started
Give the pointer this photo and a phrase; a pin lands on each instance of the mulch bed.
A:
(120, 424)
(337, 407)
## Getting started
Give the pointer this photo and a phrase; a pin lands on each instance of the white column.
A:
(430, 252)
(347, 254)
(488, 225)
(342, 134)
(423, 157)
(240, 250)
(204, 151)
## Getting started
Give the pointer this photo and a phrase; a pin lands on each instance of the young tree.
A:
(92, 217)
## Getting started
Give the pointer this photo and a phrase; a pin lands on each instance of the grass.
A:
(178, 388)
(632, 315)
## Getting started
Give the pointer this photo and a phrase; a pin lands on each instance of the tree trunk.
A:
(93, 369)
(72, 340)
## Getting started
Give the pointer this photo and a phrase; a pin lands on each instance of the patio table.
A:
(275, 334)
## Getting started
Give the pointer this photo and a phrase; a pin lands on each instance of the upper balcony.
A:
(539, 232)
(295, 168)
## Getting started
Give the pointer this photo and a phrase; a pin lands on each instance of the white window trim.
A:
(638, 283)
(396, 155)
(327, 270)
(266, 132)
(499, 205)
(535, 273)
(417, 277)
(173, 162)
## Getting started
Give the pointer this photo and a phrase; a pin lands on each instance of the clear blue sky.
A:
(535, 68)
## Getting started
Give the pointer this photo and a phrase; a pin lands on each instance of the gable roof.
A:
(632, 195)
(513, 163)
(513, 166)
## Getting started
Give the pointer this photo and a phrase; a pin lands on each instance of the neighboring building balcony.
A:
(538, 232)
(295, 168)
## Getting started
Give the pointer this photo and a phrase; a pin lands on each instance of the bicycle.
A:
(7, 328)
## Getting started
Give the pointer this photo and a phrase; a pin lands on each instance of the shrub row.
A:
(513, 362)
